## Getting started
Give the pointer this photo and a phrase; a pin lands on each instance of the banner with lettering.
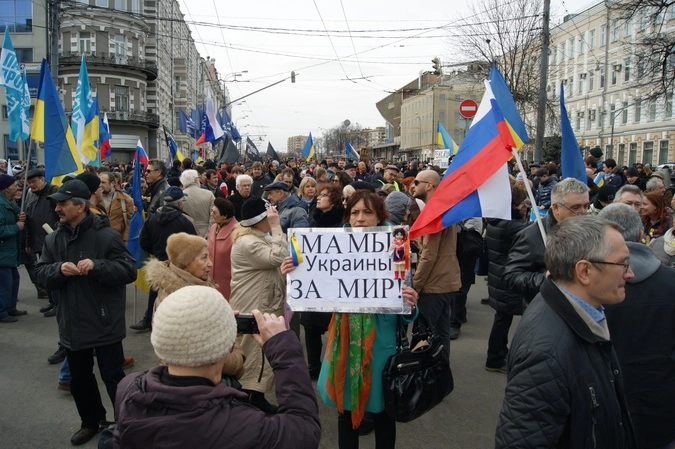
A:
(351, 270)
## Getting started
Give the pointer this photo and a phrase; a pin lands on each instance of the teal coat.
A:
(10, 243)
(384, 346)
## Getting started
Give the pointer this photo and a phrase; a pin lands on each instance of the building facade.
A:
(294, 144)
(595, 56)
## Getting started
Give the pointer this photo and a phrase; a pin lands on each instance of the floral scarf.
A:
(350, 350)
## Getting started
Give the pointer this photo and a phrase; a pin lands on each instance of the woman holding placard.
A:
(359, 346)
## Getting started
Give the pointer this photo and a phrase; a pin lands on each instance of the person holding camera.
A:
(185, 404)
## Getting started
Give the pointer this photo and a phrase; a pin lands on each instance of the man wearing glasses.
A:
(155, 175)
(525, 268)
(565, 388)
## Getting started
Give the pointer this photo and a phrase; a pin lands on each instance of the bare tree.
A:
(333, 139)
(654, 45)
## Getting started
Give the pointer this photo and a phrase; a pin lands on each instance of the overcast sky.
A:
(374, 48)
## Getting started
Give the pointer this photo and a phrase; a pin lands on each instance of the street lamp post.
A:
(419, 121)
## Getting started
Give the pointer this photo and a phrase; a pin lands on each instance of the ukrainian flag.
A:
(599, 179)
(308, 149)
(443, 139)
(50, 126)
(91, 131)
(507, 106)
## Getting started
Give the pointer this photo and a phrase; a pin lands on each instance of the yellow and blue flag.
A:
(599, 179)
(50, 126)
(91, 136)
(502, 94)
(16, 91)
(444, 139)
(308, 149)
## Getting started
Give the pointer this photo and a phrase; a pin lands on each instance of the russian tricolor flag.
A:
(476, 184)
(104, 137)
(141, 156)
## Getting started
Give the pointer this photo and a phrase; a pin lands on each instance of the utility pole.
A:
(54, 40)
(543, 78)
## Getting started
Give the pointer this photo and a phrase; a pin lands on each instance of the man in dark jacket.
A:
(292, 210)
(525, 268)
(259, 179)
(565, 387)
(643, 334)
(88, 265)
(155, 176)
(187, 404)
(242, 193)
(39, 211)
(169, 219)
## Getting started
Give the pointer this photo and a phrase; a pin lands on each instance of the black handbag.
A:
(415, 381)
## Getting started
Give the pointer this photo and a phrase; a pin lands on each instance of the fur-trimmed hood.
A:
(166, 278)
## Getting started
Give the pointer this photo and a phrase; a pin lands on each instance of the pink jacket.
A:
(220, 246)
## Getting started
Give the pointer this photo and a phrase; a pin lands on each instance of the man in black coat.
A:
(565, 388)
(525, 268)
(87, 263)
(644, 336)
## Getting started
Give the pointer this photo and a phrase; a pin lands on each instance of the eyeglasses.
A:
(150, 170)
(417, 181)
(577, 209)
(625, 265)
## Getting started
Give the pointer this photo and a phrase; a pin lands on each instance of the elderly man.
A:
(362, 173)
(87, 263)
(155, 176)
(198, 203)
(11, 224)
(169, 219)
(242, 193)
(118, 205)
(630, 195)
(643, 335)
(525, 268)
(292, 212)
(564, 383)
(438, 272)
(39, 211)
(656, 184)
(167, 396)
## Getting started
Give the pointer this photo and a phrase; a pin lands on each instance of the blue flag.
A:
(16, 91)
(136, 222)
(571, 162)
(351, 152)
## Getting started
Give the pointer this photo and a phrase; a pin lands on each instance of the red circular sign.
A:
(468, 108)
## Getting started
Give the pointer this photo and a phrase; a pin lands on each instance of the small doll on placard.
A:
(399, 251)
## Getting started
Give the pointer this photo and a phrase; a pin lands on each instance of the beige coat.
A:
(121, 202)
(437, 265)
(198, 206)
(166, 278)
(257, 283)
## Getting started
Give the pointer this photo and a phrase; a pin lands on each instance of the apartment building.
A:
(595, 56)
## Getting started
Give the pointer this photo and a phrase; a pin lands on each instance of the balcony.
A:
(149, 68)
(133, 117)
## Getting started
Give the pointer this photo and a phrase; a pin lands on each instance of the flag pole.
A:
(540, 224)
(25, 175)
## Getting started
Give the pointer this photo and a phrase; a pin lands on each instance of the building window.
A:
(609, 151)
(647, 152)
(458, 98)
(581, 44)
(102, 3)
(24, 54)
(638, 111)
(120, 46)
(669, 106)
(121, 5)
(632, 153)
(591, 79)
(622, 154)
(627, 29)
(614, 76)
(441, 97)
(30, 112)
(16, 15)
(652, 110)
(121, 98)
(615, 30)
(177, 83)
(136, 6)
(571, 87)
(571, 48)
(602, 77)
(612, 110)
(591, 40)
(441, 116)
(663, 152)
(578, 127)
(580, 88)
(624, 113)
(85, 42)
(626, 70)
(603, 34)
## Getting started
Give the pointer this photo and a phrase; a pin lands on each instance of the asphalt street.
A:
(35, 414)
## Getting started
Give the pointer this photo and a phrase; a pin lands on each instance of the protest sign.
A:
(351, 270)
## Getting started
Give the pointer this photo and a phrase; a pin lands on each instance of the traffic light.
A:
(292, 77)
(437, 66)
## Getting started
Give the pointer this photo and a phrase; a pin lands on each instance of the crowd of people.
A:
(590, 364)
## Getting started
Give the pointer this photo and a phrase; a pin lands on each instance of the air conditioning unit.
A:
(617, 67)
(582, 76)
(580, 114)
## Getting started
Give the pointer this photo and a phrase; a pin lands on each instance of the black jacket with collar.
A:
(525, 267)
(565, 387)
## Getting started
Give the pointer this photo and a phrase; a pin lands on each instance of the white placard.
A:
(347, 270)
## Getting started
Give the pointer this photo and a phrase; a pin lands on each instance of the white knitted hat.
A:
(193, 326)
